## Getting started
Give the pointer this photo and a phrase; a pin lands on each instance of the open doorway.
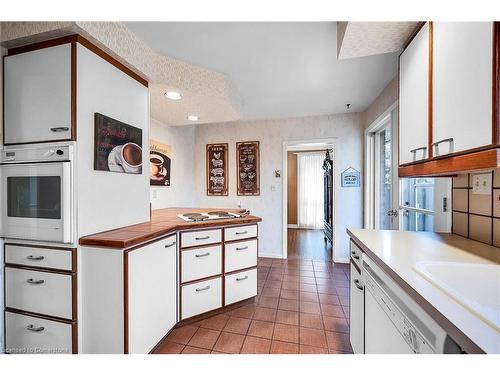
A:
(309, 201)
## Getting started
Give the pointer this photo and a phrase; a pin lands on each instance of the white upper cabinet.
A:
(37, 104)
(413, 98)
(462, 86)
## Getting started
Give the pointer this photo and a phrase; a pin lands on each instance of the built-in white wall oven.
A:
(37, 193)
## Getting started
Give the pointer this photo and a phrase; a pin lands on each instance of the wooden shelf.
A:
(485, 159)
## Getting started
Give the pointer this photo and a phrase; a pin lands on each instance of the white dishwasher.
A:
(394, 323)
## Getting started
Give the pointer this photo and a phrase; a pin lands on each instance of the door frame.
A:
(370, 190)
(288, 146)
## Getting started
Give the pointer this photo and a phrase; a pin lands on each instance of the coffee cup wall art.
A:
(159, 163)
(117, 146)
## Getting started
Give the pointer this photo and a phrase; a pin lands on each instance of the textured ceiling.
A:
(206, 93)
(280, 69)
(359, 39)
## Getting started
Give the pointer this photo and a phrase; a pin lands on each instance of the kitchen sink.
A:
(474, 285)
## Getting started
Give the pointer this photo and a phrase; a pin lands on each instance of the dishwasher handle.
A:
(358, 284)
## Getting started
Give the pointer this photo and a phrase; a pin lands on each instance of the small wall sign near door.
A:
(350, 178)
(117, 146)
(217, 169)
(159, 163)
(248, 168)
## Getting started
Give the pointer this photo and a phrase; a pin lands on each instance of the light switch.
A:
(481, 183)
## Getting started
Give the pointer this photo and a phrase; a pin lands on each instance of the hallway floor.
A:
(302, 307)
(308, 244)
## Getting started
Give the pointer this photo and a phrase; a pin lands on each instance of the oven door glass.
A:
(37, 201)
(37, 197)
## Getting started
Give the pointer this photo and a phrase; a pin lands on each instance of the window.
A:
(417, 204)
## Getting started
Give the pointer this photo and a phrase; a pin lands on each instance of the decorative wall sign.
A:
(248, 168)
(217, 169)
(117, 146)
(350, 178)
(159, 163)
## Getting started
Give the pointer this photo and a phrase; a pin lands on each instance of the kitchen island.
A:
(403, 255)
(138, 282)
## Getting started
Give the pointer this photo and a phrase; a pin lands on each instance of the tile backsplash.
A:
(476, 212)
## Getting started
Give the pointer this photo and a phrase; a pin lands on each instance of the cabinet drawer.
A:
(201, 297)
(240, 286)
(28, 335)
(39, 292)
(200, 263)
(38, 257)
(240, 233)
(356, 253)
(239, 255)
(201, 237)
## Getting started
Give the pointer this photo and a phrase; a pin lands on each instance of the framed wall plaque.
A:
(159, 163)
(217, 169)
(248, 168)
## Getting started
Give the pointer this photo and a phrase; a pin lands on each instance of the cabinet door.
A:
(413, 98)
(38, 95)
(356, 312)
(152, 294)
(462, 86)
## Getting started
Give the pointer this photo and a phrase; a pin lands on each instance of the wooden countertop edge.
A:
(140, 238)
(455, 333)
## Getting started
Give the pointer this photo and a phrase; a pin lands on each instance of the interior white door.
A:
(462, 85)
(38, 95)
(413, 98)
(152, 294)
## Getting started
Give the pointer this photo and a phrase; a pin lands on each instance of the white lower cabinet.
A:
(39, 292)
(29, 335)
(356, 312)
(240, 286)
(152, 294)
(239, 255)
(200, 297)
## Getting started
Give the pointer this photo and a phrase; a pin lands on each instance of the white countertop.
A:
(399, 251)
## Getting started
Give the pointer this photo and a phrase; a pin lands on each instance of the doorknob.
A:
(392, 213)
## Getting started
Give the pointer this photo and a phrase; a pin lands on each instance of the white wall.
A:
(346, 128)
(108, 200)
(180, 193)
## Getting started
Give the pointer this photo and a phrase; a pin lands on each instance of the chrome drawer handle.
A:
(36, 282)
(59, 129)
(202, 289)
(31, 257)
(443, 141)
(358, 285)
(170, 244)
(241, 278)
(418, 149)
(202, 238)
(202, 255)
(355, 256)
(241, 248)
(32, 328)
(244, 232)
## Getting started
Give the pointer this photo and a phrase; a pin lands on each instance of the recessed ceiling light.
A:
(173, 95)
(193, 118)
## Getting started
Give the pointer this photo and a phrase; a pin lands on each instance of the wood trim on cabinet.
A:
(125, 302)
(485, 159)
(496, 84)
(73, 90)
(430, 89)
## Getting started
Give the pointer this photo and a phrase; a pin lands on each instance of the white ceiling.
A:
(283, 69)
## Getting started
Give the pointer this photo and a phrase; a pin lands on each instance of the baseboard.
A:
(270, 255)
(342, 260)
(293, 226)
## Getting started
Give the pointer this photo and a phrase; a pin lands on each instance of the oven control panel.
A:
(37, 154)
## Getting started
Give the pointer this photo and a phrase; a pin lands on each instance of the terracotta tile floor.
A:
(302, 307)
